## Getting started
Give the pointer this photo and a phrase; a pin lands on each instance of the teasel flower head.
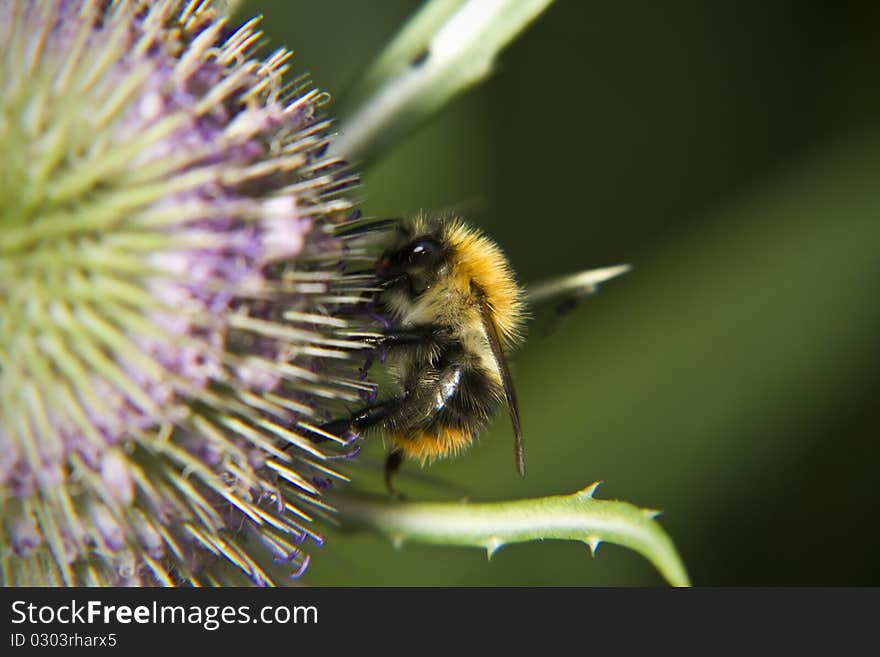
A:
(169, 287)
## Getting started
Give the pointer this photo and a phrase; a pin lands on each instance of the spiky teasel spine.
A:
(169, 293)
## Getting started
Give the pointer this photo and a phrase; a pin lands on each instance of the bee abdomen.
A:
(444, 410)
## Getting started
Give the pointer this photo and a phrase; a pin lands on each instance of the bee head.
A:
(416, 260)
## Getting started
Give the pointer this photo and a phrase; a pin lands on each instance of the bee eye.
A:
(423, 251)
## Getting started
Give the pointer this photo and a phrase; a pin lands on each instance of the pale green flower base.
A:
(577, 517)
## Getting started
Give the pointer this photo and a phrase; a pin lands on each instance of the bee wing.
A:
(506, 380)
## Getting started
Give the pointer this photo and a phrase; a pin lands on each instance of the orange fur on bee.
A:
(480, 260)
(427, 446)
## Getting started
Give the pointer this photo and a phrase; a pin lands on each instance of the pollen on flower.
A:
(169, 288)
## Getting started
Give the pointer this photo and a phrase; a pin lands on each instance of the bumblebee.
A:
(454, 311)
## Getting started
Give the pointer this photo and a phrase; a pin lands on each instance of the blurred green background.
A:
(731, 152)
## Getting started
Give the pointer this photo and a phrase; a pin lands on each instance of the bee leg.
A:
(352, 427)
(344, 428)
(392, 465)
(425, 334)
(372, 415)
(390, 338)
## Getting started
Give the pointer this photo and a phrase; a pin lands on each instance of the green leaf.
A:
(578, 517)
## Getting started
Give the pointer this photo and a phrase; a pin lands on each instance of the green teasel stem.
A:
(447, 47)
(403, 48)
(577, 517)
